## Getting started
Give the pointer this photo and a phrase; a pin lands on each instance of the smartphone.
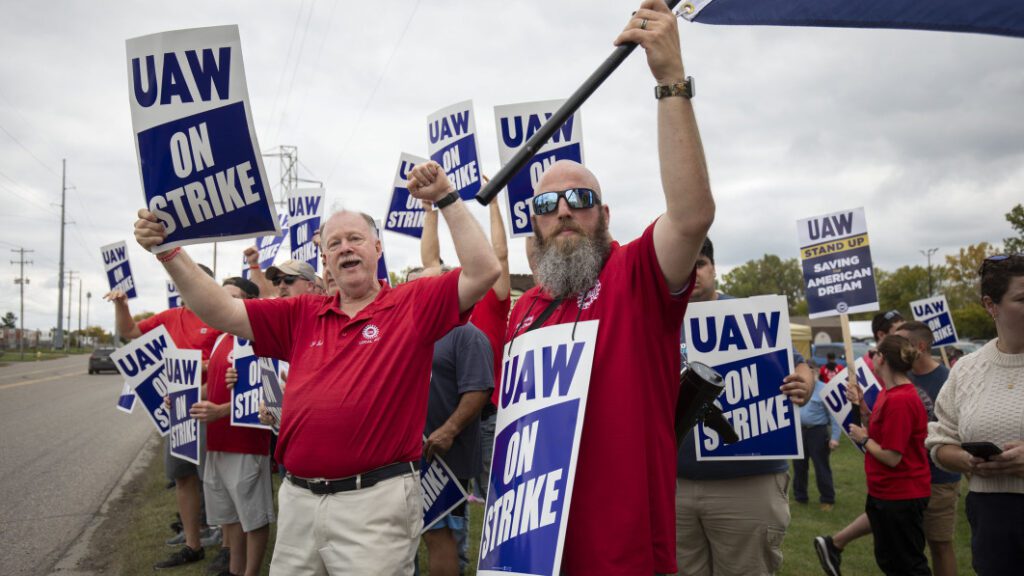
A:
(984, 450)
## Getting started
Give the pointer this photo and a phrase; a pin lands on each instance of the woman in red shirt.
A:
(896, 465)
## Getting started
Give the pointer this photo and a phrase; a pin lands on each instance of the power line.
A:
(373, 93)
(295, 70)
(284, 69)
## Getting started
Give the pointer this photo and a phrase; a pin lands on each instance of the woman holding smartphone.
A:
(896, 464)
(983, 402)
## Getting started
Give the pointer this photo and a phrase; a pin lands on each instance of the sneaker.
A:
(828, 555)
(220, 563)
(827, 506)
(184, 556)
(210, 536)
(177, 540)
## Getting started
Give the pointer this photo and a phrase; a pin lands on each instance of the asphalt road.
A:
(63, 448)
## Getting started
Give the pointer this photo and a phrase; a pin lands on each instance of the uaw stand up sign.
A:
(201, 167)
(544, 383)
(836, 259)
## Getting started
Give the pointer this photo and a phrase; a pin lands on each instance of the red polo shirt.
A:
(899, 423)
(357, 388)
(185, 328)
(622, 519)
(221, 436)
(490, 315)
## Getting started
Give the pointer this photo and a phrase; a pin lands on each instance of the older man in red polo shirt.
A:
(353, 417)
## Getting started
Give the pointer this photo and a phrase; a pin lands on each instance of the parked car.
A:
(819, 352)
(100, 360)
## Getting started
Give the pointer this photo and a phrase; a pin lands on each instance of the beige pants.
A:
(731, 527)
(375, 530)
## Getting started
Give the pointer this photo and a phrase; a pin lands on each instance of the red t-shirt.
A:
(221, 436)
(356, 397)
(185, 328)
(490, 315)
(622, 519)
(826, 373)
(899, 423)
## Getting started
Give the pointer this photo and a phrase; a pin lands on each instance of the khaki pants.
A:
(374, 530)
(731, 527)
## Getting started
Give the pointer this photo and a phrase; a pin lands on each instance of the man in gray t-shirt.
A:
(461, 380)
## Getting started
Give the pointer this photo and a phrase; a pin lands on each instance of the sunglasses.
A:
(892, 315)
(576, 198)
(288, 280)
(998, 258)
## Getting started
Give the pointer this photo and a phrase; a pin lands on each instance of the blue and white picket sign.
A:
(268, 247)
(382, 263)
(836, 259)
(141, 362)
(305, 209)
(173, 296)
(453, 145)
(126, 399)
(247, 393)
(748, 341)
(183, 370)
(405, 213)
(272, 384)
(936, 314)
(201, 167)
(516, 123)
(119, 270)
(441, 491)
(545, 380)
(834, 395)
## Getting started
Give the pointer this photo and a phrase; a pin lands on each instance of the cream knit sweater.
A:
(982, 401)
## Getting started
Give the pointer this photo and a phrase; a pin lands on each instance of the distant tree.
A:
(962, 283)
(973, 321)
(10, 320)
(898, 288)
(769, 275)
(142, 316)
(1016, 219)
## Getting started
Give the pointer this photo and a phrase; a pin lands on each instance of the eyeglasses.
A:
(288, 280)
(996, 260)
(576, 198)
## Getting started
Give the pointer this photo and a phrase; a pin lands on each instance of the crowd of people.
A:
(379, 376)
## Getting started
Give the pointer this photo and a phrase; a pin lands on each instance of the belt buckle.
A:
(319, 486)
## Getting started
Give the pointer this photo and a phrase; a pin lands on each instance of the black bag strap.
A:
(544, 315)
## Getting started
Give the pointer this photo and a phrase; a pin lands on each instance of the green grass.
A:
(139, 532)
(33, 356)
(809, 521)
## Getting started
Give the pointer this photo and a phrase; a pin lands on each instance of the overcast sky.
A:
(923, 129)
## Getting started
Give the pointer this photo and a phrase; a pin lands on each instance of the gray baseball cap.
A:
(292, 268)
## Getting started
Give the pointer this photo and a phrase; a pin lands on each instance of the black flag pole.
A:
(544, 133)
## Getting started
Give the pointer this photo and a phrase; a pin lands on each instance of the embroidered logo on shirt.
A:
(370, 334)
(585, 300)
(202, 330)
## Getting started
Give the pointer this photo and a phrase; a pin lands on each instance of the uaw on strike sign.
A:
(544, 385)
(453, 145)
(836, 259)
(516, 123)
(202, 172)
(747, 340)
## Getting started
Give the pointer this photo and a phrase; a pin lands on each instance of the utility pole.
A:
(928, 254)
(79, 311)
(71, 291)
(58, 338)
(88, 301)
(22, 281)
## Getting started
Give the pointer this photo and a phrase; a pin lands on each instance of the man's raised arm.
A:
(202, 294)
(690, 208)
(479, 266)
